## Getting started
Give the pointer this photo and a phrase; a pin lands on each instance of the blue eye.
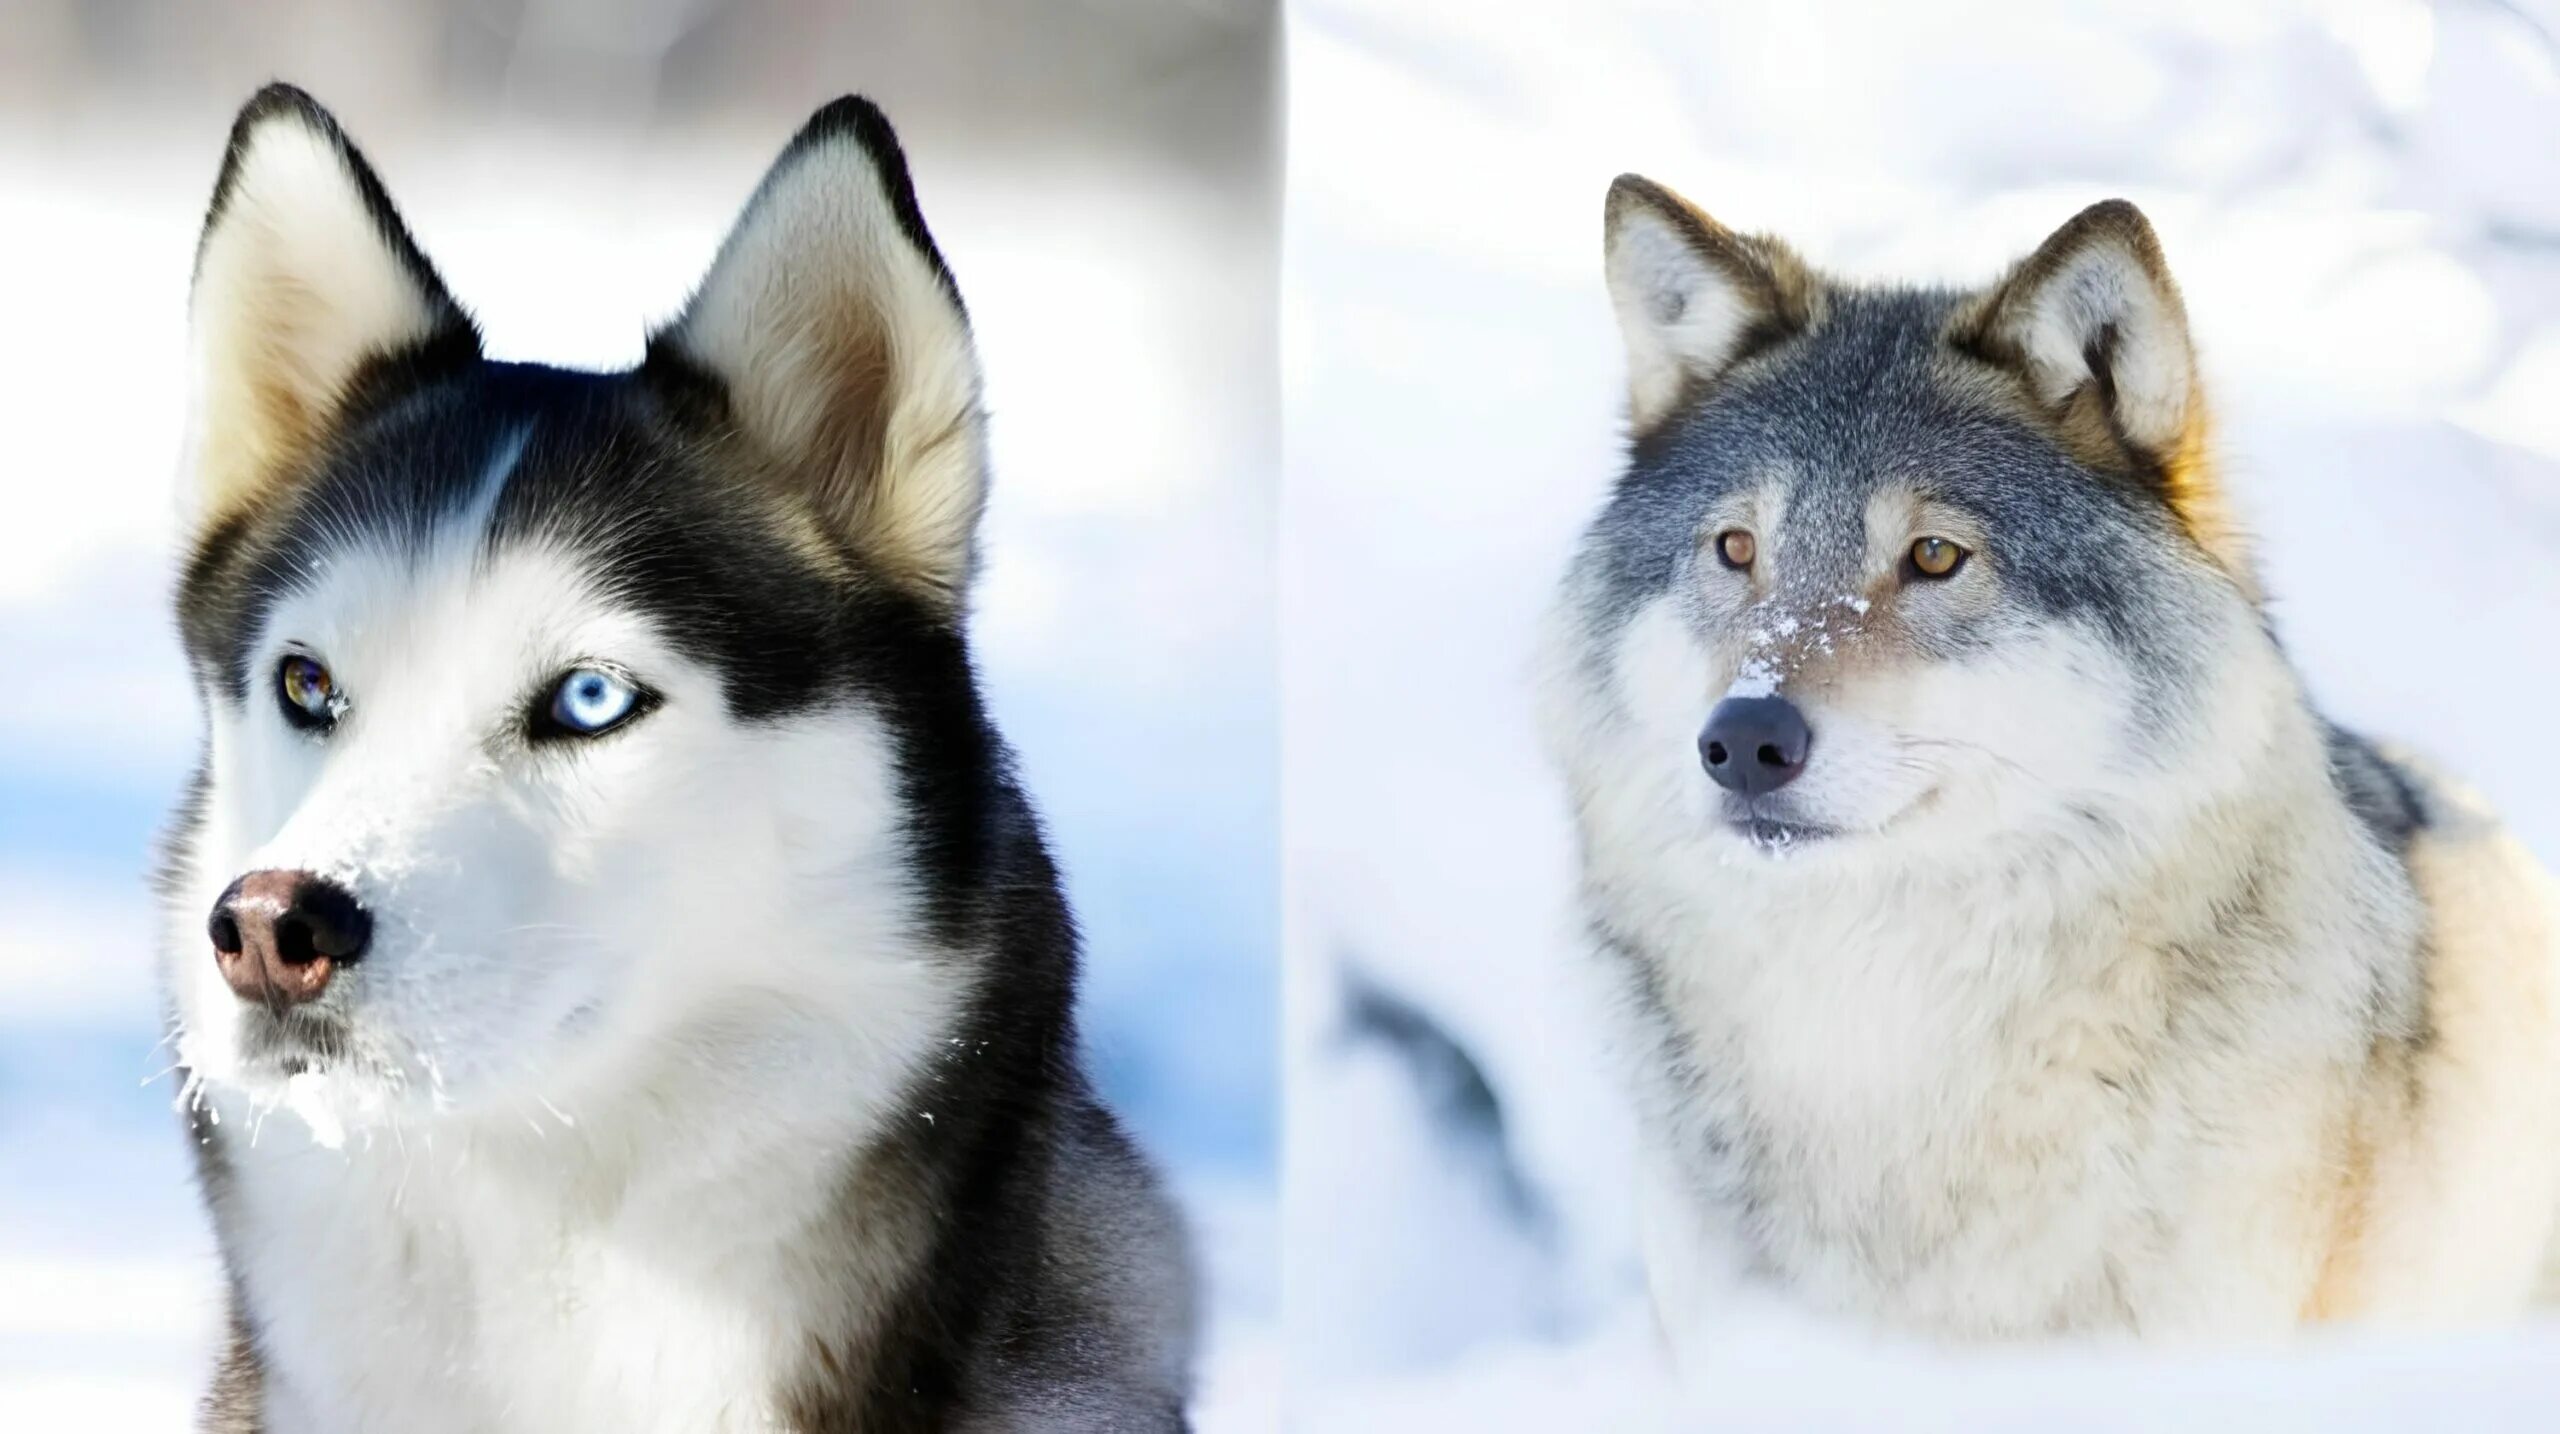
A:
(591, 701)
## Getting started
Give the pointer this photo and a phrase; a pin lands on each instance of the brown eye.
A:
(1736, 548)
(1936, 558)
(310, 698)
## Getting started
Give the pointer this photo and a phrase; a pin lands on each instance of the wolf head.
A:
(1895, 568)
(553, 717)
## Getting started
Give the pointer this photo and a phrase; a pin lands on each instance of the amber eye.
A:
(1736, 548)
(309, 698)
(1936, 558)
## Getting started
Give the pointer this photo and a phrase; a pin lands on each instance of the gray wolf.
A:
(2007, 947)
(620, 981)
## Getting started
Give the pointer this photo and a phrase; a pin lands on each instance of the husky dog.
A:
(620, 981)
(2008, 946)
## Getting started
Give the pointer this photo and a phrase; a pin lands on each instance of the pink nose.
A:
(279, 935)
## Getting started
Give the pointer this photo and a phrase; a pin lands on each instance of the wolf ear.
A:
(307, 288)
(838, 341)
(1693, 297)
(2093, 323)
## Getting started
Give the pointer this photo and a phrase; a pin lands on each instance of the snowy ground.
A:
(1125, 633)
(2362, 201)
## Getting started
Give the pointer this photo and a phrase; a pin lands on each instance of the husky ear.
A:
(2093, 323)
(307, 290)
(839, 344)
(1693, 297)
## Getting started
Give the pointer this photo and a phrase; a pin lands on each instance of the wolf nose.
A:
(1755, 744)
(277, 935)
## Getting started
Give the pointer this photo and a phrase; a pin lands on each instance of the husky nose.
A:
(1755, 744)
(277, 935)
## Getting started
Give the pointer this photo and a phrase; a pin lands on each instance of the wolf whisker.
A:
(1974, 749)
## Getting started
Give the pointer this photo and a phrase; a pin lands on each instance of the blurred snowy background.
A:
(1103, 176)
(2362, 200)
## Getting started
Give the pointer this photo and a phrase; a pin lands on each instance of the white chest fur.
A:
(1980, 1111)
(483, 1281)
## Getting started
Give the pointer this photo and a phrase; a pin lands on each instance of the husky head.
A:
(1896, 569)
(554, 717)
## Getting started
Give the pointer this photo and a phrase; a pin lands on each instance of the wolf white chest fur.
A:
(1956, 1115)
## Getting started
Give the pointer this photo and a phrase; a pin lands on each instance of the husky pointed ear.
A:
(308, 292)
(1693, 297)
(837, 340)
(2093, 323)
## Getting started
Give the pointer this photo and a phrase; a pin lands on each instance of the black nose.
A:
(1755, 744)
(277, 935)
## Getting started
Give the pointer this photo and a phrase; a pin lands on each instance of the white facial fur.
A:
(1922, 754)
(1932, 752)
(542, 913)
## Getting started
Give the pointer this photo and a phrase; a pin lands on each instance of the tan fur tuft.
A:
(2461, 1139)
(2191, 479)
